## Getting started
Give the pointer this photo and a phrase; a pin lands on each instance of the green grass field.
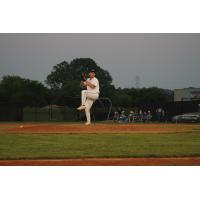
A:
(39, 146)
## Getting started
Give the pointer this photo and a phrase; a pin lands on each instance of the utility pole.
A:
(137, 82)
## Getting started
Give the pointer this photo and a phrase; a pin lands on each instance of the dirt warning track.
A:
(171, 161)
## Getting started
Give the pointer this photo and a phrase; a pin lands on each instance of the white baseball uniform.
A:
(89, 96)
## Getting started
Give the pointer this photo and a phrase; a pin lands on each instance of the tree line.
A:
(63, 83)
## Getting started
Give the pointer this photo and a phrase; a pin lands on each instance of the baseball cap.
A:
(92, 70)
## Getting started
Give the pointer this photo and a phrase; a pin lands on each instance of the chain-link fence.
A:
(100, 111)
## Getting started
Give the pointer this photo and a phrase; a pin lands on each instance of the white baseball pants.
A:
(88, 98)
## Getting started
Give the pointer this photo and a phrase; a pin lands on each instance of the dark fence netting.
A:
(180, 107)
(100, 111)
(174, 108)
(10, 113)
(49, 113)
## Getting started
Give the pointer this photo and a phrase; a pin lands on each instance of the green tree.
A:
(59, 75)
(20, 92)
(65, 78)
(143, 97)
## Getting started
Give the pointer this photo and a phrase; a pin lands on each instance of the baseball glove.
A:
(83, 77)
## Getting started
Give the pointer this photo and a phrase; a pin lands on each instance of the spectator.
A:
(131, 116)
(149, 115)
(159, 114)
(140, 115)
(163, 115)
(144, 117)
(136, 116)
(123, 117)
(116, 116)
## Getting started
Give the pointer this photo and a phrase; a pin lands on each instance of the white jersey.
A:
(93, 81)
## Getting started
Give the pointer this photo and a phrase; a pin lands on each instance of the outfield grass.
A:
(33, 146)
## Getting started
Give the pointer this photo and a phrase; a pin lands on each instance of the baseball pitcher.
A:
(89, 95)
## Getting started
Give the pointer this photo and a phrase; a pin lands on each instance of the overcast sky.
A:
(164, 60)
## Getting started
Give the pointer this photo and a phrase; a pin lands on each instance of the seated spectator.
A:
(140, 115)
(144, 119)
(136, 116)
(131, 116)
(123, 117)
(116, 116)
(149, 115)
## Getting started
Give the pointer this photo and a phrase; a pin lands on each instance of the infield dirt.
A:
(101, 128)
